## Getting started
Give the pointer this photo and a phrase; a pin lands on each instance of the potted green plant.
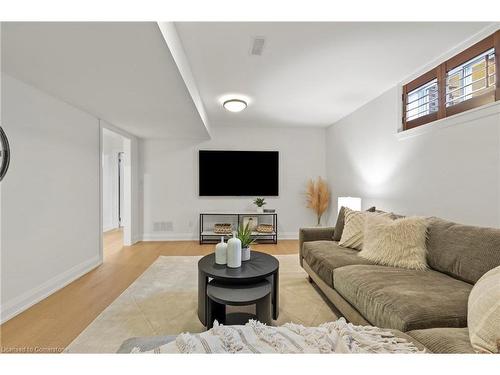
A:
(260, 202)
(244, 234)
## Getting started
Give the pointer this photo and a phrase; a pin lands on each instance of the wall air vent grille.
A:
(257, 46)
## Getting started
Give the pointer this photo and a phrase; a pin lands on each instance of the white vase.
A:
(234, 252)
(260, 210)
(245, 254)
(221, 252)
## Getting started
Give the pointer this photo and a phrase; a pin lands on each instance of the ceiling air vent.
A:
(257, 46)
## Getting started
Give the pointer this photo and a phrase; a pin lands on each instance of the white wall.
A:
(451, 171)
(112, 145)
(50, 196)
(170, 178)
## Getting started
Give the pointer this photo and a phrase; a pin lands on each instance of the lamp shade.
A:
(353, 203)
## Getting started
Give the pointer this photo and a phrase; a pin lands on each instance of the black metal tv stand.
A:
(207, 234)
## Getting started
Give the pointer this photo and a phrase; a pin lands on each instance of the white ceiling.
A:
(310, 74)
(121, 72)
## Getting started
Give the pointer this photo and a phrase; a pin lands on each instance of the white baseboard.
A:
(194, 237)
(18, 304)
(288, 236)
(169, 237)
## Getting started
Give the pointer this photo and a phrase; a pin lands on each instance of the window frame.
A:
(440, 74)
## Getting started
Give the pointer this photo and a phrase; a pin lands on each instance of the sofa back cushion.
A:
(462, 251)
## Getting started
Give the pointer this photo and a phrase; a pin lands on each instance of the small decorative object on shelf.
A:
(245, 236)
(234, 252)
(221, 252)
(269, 210)
(265, 228)
(260, 202)
(318, 197)
(223, 228)
(252, 222)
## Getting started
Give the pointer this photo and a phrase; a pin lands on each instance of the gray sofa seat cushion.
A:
(324, 256)
(462, 251)
(404, 299)
(444, 340)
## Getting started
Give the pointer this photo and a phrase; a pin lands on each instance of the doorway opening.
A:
(115, 191)
(121, 194)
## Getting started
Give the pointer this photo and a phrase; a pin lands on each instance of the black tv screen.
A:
(238, 173)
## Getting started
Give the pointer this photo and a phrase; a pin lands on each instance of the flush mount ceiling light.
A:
(235, 105)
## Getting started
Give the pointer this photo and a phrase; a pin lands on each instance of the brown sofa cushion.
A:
(324, 256)
(339, 225)
(444, 340)
(462, 251)
(313, 234)
(404, 299)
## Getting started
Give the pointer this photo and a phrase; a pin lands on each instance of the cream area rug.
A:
(163, 301)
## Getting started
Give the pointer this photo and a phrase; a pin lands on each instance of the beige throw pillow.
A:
(339, 225)
(352, 235)
(354, 225)
(483, 316)
(396, 243)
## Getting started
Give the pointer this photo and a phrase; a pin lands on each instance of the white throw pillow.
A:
(483, 316)
(354, 226)
(396, 243)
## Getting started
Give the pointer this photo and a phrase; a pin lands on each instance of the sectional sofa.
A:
(430, 306)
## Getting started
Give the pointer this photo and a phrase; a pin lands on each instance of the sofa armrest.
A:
(314, 234)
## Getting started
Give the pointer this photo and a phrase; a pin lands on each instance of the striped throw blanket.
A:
(255, 337)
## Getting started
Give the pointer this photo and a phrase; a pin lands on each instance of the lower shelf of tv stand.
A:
(207, 235)
(254, 234)
(211, 237)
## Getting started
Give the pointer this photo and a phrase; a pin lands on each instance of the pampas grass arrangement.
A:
(318, 197)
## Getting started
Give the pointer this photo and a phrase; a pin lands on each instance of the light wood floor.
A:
(50, 325)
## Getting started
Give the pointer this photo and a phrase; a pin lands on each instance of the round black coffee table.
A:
(260, 267)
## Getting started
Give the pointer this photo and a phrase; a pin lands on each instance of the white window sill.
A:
(486, 110)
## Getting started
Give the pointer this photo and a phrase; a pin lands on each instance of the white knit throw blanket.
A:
(256, 337)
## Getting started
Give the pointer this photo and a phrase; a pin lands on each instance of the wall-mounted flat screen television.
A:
(238, 173)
